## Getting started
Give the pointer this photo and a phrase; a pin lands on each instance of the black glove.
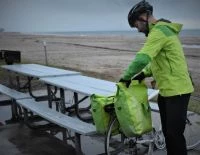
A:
(127, 82)
(139, 77)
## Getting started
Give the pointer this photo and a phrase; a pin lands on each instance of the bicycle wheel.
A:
(118, 143)
(191, 133)
(114, 141)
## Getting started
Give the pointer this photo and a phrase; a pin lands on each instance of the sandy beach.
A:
(101, 56)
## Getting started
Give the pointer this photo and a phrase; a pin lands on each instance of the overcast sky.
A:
(88, 15)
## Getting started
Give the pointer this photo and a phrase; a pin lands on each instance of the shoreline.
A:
(130, 33)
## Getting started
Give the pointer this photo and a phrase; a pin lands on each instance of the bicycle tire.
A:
(118, 143)
(114, 143)
(191, 133)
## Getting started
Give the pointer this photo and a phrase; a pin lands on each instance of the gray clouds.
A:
(88, 15)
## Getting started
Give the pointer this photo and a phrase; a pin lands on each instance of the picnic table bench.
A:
(70, 123)
(73, 124)
(13, 95)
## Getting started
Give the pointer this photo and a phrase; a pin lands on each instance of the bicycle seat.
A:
(109, 108)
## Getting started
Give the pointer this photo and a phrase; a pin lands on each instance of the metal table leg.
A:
(49, 96)
(62, 100)
(78, 144)
(37, 98)
(77, 109)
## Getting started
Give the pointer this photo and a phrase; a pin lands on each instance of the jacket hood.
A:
(176, 27)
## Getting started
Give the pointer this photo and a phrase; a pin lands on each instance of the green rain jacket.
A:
(162, 57)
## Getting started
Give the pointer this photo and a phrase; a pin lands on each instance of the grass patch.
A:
(194, 106)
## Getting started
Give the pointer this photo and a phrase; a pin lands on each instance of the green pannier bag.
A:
(132, 108)
(100, 117)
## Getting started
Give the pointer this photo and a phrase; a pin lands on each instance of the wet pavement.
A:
(18, 139)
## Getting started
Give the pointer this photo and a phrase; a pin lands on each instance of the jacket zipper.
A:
(168, 62)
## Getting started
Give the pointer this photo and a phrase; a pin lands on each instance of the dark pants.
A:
(173, 113)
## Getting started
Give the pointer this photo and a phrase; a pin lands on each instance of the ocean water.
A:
(131, 33)
(93, 33)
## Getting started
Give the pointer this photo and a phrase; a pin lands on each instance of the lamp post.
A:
(45, 51)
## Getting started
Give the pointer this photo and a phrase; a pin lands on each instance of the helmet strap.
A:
(147, 25)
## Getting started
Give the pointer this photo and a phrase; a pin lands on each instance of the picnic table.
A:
(64, 80)
(84, 85)
(35, 71)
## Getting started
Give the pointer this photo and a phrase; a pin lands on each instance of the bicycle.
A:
(191, 130)
(116, 142)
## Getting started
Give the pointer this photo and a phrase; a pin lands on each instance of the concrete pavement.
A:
(17, 139)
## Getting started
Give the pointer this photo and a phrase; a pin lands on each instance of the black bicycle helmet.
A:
(137, 10)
